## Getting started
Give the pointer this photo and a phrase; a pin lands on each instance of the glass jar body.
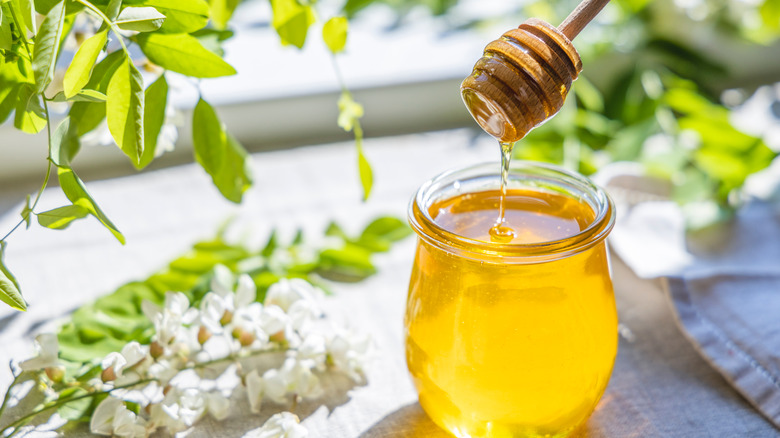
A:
(506, 346)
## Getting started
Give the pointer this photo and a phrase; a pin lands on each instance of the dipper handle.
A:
(580, 17)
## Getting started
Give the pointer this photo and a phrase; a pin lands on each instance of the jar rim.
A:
(427, 229)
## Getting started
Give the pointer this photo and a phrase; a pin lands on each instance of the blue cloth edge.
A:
(741, 370)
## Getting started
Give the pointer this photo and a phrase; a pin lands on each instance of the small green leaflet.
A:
(27, 12)
(291, 21)
(350, 113)
(85, 95)
(140, 19)
(6, 35)
(183, 54)
(181, 16)
(364, 169)
(334, 33)
(30, 116)
(27, 213)
(60, 218)
(64, 144)
(77, 75)
(88, 115)
(155, 102)
(221, 11)
(74, 189)
(47, 44)
(220, 155)
(9, 287)
(207, 137)
(125, 110)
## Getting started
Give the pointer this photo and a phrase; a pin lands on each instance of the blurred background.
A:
(685, 88)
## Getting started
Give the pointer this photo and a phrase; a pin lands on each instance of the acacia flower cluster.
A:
(200, 359)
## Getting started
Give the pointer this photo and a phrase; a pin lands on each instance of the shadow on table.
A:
(410, 421)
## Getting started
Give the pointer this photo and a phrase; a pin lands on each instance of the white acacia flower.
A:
(349, 352)
(169, 319)
(131, 355)
(303, 313)
(311, 351)
(286, 291)
(218, 405)
(184, 406)
(275, 321)
(222, 282)
(282, 425)
(294, 377)
(48, 348)
(254, 390)
(112, 418)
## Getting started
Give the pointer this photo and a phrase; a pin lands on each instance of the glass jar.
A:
(510, 340)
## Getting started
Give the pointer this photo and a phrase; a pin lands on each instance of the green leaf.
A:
(84, 95)
(64, 144)
(27, 213)
(30, 116)
(770, 14)
(27, 12)
(291, 21)
(335, 34)
(112, 9)
(271, 245)
(9, 288)
(352, 7)
(125, 110)
(77, 75)
(155, 102)
(208, 137)
(390, 228)
(181, 16)
(221, 11)
(183, 54)
(366, 174)
(6, 35)
(47, 45)
(88, 115)
(140, 19)
(212, 39)
(60, 218)
(74, 189)
(234, 176)
(76, 409)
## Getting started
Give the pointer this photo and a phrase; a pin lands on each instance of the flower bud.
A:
(203, 335)
(278, 337)
(156, 350)
(226, 318)
(56, 374)
(108, 374)
(245, 338)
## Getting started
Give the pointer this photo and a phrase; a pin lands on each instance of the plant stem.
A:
(8, 394)
(45, 179)
(22, 421)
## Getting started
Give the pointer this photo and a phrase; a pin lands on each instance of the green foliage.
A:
(183, 54)
(75, 191)
(181, 16)
(113, 320)
(9, 288)
(47, 44)
(220, 155)
(155, 103)
(291, 20)
(125, 110)
(140, 19)
(221, 11)
(334, 33)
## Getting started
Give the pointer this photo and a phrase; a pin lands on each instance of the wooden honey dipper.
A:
(523, 77)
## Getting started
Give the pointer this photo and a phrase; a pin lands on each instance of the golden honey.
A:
(514, 338)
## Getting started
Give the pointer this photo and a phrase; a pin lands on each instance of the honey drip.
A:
(501, 232)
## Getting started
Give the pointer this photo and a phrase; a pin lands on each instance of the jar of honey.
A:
(512, 338)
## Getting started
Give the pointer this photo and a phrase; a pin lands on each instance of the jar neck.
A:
(538, 176)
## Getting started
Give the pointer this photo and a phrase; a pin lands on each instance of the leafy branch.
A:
(104, 88)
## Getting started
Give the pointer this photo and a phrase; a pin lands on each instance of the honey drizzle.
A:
(501, 232)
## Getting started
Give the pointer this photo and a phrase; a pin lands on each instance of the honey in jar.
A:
(513, 337)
